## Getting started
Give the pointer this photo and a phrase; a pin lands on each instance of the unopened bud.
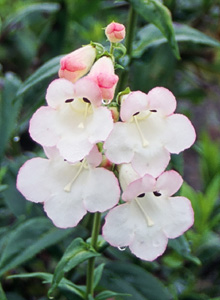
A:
(115, 32)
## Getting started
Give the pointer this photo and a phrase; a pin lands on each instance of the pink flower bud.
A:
(102, 72)
(115, 32)
(77, 63)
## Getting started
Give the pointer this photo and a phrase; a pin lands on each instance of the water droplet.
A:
(122, 248)
(16, 139)
(106, 102)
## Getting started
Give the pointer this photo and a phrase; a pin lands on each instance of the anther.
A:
(141, 195)
(157, 194)
(86, 100)
(69, 100)
(136, 113)
(153, 110)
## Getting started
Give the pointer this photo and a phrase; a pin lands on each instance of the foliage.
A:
(34, 36)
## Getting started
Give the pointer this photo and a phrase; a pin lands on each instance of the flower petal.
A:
(94, 158)
(74, 148)
(177, 215)
(42, 126)
(133, 103)
(169, 183)
(179, 135)
(162, 100)
(33, 180)
(65, 209)
(152, 160)
(87, 88)
(100, 125)
(149, 242)
(101, 191)
(119, 145)
(58, 92)
(142, 185)
(118, 227)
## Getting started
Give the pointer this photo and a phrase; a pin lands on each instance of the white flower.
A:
(150, 215)
(149, 132)
(67, 190)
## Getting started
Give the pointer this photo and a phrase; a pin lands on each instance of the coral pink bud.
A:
(115, 32)
(102, 72)
(77, 63)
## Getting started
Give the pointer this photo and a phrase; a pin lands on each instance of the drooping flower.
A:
(77, 63)
(115, 32)
(103, 74)
(66, 190)
(73, 121)
(149, 215)
(149, 132)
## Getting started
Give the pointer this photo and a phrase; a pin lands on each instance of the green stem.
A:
(132, 18)
(91, 261)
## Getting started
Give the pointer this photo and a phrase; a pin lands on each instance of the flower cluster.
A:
(86, 148)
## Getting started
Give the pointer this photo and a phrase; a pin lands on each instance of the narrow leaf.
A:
(28, 13)
(109, 294)
(153, 11)
(28, 239)
(47, 278)
(8, 109)
(2, 294)
(98, 274)
(150, 36)
(77, 252)
(45, 72)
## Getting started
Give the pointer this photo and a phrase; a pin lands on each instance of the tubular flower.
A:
(149, 215)
(77, 63)
(103, 74)
(149, 132)
(73, 121)
(115, 32)
(67, 190)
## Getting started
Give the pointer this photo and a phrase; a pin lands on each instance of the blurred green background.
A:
(33, 37)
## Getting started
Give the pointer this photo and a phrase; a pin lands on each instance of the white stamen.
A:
(68, 187)
(81, 124)
(150, 223)
(145, 143)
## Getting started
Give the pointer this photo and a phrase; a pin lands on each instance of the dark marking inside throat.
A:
(157, 194)
(86, 100)
(153, 110)
(136, 113)
(141, 195)
(69, 100)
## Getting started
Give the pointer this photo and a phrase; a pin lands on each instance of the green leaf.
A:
(44, 73)
(28, 239)
(28, 13)
(47, 278)
(150, 36)
(77, 252)
(98, 274)
(109, 294)
(153, 11)
(181, 246)
(2, 294)
(9, 109)
(131, 279)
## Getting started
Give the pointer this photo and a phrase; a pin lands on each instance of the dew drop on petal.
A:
(106, 102)
(122, 248)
